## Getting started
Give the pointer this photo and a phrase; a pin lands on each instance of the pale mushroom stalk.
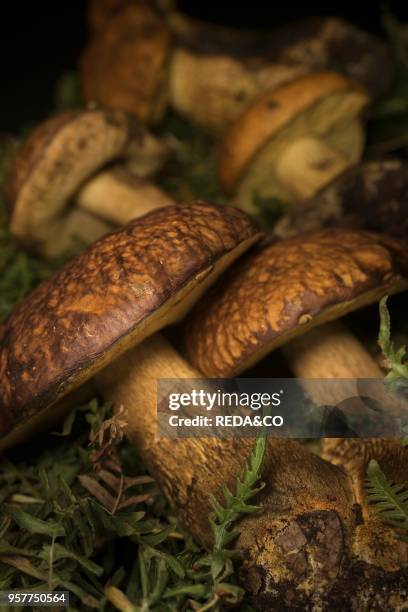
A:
(132, 196)
(330, 351)
(190, 470)
(308, 164)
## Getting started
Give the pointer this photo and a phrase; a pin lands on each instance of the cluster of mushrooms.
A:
(287, 111)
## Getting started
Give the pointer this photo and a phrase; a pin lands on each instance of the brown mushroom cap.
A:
(124, 288)
(319, 110)
(372, 196)
(54, 162)
(126, 63)
(99, 12)
(285, 289)
(216, 72)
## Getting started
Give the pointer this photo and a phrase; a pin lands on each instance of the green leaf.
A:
(60, 552)
(33, 524)
(396, 358)
(389, 499)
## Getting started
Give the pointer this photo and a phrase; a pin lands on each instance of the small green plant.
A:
(219, 561)
(389, 499)
(201, 581)
(396, 357)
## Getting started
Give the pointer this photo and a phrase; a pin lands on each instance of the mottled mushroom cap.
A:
(57, 158)
(217, 71)
(373, 196)
(125, 65)
(285, 289)
(321, 105)
(122, 289)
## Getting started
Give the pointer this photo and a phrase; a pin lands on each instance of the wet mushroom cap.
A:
(126, 63)
(283, 290)
(108, 299)
(317, 104)
(56, 159)
(371, 196)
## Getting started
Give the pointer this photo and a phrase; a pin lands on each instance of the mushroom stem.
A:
(118, 196)
(190, 470)
(330, 351)
(78, 225)
(308, 164)
(295, 549)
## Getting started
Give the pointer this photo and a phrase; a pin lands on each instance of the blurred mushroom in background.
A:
(293, 140)
(216, 71)
(126, 63)
(144, 54)
(78, 175)
(373, 195)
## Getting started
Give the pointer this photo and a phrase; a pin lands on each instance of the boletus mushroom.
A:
(372, 195)
(308, 548)
(216, 72)
(63, 182)
(126, 63)
(100, 12)
(103, 302)
(293, 140)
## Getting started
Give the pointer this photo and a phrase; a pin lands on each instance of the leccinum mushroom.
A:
(373, 195)
(308, 547)
(216, 72)
(62, 164)
(100, 304)
(292, 141)
(126, 63)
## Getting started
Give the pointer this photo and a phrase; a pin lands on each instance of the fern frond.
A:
(389, 499)
(396, 358)
(236, 503)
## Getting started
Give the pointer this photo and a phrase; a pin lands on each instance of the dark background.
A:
(41, 41)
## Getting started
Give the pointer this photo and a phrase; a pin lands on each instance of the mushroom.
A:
(100, 12)
(100, 304)
(307, 548)
(216, 72)
(57, 188)
(293, 140)
(373, 195)
(299, 287)
(126, 63)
